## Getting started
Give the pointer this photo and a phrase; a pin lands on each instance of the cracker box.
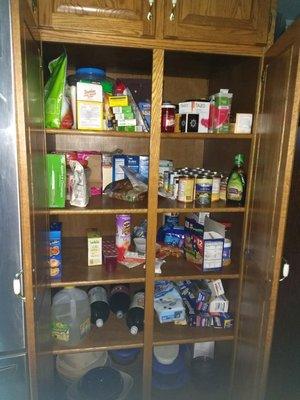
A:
(204, 244)
(94, 240)
(168, 302)
(219, 304)
(55, 257)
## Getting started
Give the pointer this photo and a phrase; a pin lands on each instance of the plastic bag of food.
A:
(58, 112)
(79, 195)
(123, 190)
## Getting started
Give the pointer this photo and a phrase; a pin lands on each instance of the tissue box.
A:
(204, 244)
(168, 303)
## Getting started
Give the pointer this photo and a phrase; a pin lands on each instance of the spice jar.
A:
(167, 117)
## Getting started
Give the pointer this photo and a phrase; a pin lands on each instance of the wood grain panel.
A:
(201, 45)
(277, 126)
(156, 101)
(119, 18)
(229, 21)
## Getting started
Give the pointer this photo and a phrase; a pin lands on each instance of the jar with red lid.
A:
(167, 117)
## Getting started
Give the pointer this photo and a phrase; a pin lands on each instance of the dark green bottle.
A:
(236, 185)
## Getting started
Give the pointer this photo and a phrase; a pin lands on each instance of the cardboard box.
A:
(133, 162)
(119, 161)
(243, 123)
(55, 246)
(204, 244)
(127, 122)
(56, 178)
(94, 240)
(123, 110)
(107, 174)
(117, 101)
(144, 166)
(123, 117)
(168, 303)
(219, 304)
(216, 287)
(195, 116)
(89, 106)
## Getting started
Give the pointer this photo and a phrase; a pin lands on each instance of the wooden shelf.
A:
(103, 205)
(176, 269)
(176, 334)
(207, 136)
(166, 205)
(113, 335)
(77, 273)
(76, 132)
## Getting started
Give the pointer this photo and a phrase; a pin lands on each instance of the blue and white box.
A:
(119, 161)
(144, 166)
(133, 162)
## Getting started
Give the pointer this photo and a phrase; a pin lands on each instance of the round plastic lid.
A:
(166, 354)
(97, 72)
(99, 323)
(120, 314)
(134, 330)
(107, 86)
(168, 106)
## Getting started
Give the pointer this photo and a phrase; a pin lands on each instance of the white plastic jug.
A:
(71, 316)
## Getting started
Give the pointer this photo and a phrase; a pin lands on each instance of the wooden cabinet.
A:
(129, 18)
(231, 21)
(251, 281)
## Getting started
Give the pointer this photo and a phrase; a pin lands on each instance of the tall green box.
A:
(56, 177)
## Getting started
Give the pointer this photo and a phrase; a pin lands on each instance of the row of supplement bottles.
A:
(73, 311)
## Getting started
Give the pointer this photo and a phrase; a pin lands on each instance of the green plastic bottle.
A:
(236, 186)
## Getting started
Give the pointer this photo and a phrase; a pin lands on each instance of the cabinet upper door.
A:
(275, 144)
(218, 21)
(123, 18)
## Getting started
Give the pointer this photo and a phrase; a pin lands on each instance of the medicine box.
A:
(94, 240)
(204, 244)
(56, 179)
(144, 166)
(55, 247)
(117, 101)
(133, 162)
(218, 304)
(119, 161)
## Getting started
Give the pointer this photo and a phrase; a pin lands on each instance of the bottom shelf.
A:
(115, 335)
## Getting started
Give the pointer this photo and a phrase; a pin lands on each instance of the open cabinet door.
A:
(33, 192)
(268, 202)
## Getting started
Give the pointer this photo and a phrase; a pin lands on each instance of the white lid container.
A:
(166, 354)
(72, 367)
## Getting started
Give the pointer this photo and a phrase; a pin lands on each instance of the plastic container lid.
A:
(168, 106)
(99, 323)
(98, 73)
(74, 392)
(134, 330)
(166, 354)
(170, 382)
(107, 86)
(73, 366)
(106, 382)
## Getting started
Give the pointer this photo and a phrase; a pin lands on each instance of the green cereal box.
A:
(56, 178)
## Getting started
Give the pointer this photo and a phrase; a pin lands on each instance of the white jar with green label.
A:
(71, 316)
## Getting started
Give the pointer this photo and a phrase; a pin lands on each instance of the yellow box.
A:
(94, 247)
(118, 101)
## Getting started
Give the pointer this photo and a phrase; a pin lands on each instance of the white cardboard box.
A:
(243, 123)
